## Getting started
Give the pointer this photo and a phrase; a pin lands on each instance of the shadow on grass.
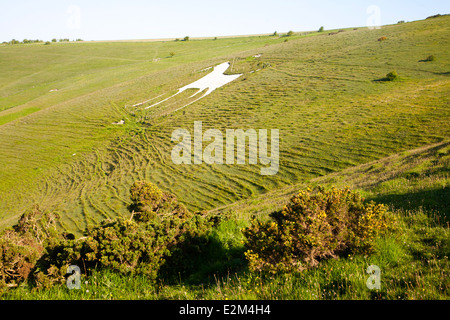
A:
(386, 79)
(382, 80)
(204, 262)
(434, 202)
(443, 73)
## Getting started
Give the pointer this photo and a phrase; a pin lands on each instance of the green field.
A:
(340, 123)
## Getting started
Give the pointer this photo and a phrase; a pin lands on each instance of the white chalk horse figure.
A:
(211, 81)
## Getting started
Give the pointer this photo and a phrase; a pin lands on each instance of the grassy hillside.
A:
(413, 260)
(325, 93)
(411, 180)
(42, 129)
(341, 124)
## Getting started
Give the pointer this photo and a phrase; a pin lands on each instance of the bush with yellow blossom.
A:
(315, 225)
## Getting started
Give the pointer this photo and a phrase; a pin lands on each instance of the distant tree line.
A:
(25, 41)
(64, 40)
(184, 39)
(14, 41)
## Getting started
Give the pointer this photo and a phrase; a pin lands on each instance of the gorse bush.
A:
(146, 198)
(163, 238)
(158, 227)
(22, 245)
(314, 226)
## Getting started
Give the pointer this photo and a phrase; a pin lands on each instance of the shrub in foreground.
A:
(23, 245)
(159, 226)
(313, 226)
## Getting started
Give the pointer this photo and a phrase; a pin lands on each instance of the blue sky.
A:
(140, 19)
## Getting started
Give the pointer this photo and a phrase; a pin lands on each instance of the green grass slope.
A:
(42, 129)
(412, 180)
(325, 93)
(413, 261)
